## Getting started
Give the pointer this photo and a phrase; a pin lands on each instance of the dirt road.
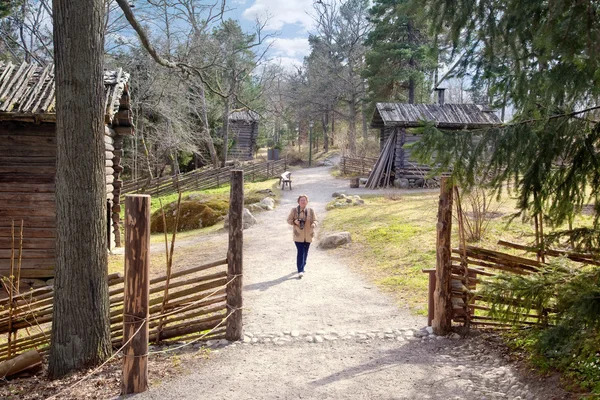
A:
(334, 335)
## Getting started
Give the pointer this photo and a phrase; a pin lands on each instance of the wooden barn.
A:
(243, 126)
(395, 120)
(28, 156)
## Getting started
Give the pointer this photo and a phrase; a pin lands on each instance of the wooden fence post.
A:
(235, 257)
(137, 296)
(442, 321)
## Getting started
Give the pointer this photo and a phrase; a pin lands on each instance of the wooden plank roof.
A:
(27, 92)
(243, 115)
(450, 116)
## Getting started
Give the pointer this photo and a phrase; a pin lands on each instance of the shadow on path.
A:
(263, 286)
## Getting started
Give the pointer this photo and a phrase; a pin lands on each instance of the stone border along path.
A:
(332, 334)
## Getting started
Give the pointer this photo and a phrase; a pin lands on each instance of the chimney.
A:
(440, 92)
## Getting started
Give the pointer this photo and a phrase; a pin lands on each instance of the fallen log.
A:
(20, 363)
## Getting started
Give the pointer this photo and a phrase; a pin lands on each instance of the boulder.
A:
(333, 240)
(401, 183)
(268, 203)
(268, 192)
(338, 195)
(247, 219)
(363, 181)
(255, 207)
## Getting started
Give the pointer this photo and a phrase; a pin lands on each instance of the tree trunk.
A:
(325, 121)
(225, 131)
(352, 126)
(332, 126)
(363, 111)
(80, 329)
(209, 142)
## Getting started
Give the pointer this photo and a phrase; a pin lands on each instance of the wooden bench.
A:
(285, 179)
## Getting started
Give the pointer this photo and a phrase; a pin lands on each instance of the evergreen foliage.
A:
(569, 300)
(399, 55)
(543, 56)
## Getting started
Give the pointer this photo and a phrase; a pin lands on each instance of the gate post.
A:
(137, 294)
(235, 257)
(442, 321)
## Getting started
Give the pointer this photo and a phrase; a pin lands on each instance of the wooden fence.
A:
(202, 179)
(202, 302)
(196, 302)
(461, 271)
(361, 166)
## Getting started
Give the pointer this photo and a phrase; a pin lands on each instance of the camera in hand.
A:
(301, 221)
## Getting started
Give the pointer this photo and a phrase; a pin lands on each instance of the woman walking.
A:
(304, 220)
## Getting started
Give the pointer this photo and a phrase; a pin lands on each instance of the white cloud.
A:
(287, 63)
(293, 47)
(281, 12)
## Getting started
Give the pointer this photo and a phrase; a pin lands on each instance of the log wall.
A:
(409, 140)
(27, 172)
(245, 134)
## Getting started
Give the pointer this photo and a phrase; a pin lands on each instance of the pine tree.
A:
(399, 54)
(543, 58)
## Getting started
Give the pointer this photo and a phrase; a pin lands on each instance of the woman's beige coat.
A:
(308, 233)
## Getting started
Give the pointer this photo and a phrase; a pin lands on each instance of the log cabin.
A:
(400, 117)
(28, 157)
(244, 130)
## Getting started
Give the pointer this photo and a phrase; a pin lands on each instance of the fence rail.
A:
(455, 285)
(196, 302)
(202, 179)
(357, 165)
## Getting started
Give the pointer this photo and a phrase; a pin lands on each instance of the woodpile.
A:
(202, 179)
(196, 303)
(381, 175)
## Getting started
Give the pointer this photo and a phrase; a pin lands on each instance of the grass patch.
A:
(394, 239)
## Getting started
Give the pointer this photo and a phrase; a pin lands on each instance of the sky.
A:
(288, 20)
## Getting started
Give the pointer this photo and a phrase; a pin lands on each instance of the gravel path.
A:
(333, 335)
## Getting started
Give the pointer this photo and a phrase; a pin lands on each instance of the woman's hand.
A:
(297, 222)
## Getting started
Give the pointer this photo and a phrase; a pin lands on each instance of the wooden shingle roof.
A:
(27, 93)
(244, 115)
(450, 116)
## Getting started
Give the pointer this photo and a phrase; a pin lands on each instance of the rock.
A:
(354, 183)
(419, 334)
(269, 203)
(295, 333)
(363, 181)
(334, 240)
(247, 218)
(454, 336)
(401, 183)
(338, 195)
(419, 182)
(429, 330)
(268, 192)
(255, 207)
(359, 202)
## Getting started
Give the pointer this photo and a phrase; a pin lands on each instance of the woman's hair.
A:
(301, 196)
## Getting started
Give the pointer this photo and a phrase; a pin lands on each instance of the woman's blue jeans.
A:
(302, 254)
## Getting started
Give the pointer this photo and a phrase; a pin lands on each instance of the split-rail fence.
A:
(202, 179)
(454, 295)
